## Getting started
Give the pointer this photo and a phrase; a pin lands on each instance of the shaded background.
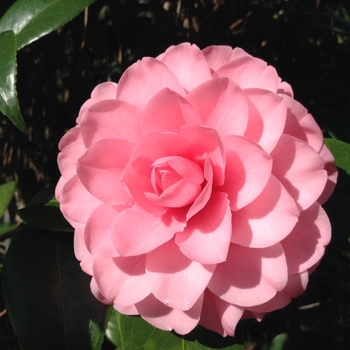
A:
(308, 41)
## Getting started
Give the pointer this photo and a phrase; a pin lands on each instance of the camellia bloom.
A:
(194, 186)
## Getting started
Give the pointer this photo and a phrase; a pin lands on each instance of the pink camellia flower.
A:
(194, 187)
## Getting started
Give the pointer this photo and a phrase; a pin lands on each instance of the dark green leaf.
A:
(341, 153)
(32, 19)
(48, 296)
(6, 194)
(43, 212)
(133, 333)
(9, 105)
(278, 342)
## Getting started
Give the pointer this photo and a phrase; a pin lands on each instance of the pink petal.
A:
(300, 170)
(111, 119)
(250, 276)
(176, 280)
(305, 245)
(119, 279)
(104, 91)
(188, 64)
(207, 144)
(178, 195)
(296, 285)
(95, 290)
(301, 124)
(267, 118)
(222, 106)
(76, 203)
(135, 231)
(218, 315)
(251, 72)
(80, 250)
(168, 319)
(155, 146)
(72, 148)
(137, 176)
(101, 167)
(98, 231)
(267, 220)
(204, 196)
(248, 169)
(167, 111)
(285, 88)
(218, 56)
(140, 82)
(332, 173)
(206, 238)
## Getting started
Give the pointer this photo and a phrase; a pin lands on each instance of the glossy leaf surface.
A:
(132, 332)
(32, 19)
(9, 105)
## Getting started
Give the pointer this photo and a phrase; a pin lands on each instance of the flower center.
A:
(176, 181)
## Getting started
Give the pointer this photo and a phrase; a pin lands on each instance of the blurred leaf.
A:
(6, 193)
(9, 105)
(341, 153)
(279, 342)
(48, 296)
(32, 19)
(132, 332)
(6, 227)
(43, 212)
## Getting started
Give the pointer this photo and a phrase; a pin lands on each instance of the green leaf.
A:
(48, 296)
(9, 105)
(32, 19)
(133, 333)
(6, 227)
(43, 211)
(341, 153)
(6, 193)
(279, 342)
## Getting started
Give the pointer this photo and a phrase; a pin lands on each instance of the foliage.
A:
(309, 44)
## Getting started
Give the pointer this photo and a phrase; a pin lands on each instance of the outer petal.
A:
(251, 72)
(332, 173)
(259, 272)
(222, 106)
(119, 279)
(76, 202)
(296, 285)
(111, 119)
(191, 71)
(81, 252)
(218, 315)
(100, 170)
(305, 245)
(135, 231)
(301, 124)
(267, 117)
(267, 220)
(206, 238)
(140, 82)
(218, 56)
(166, 112)
(104, 91)
(300, 169)
(248, 169)
(98, 231)
(176, 280)
(168, 319)
(72, 148)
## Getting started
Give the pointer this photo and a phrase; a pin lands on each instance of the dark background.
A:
(308, 41)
